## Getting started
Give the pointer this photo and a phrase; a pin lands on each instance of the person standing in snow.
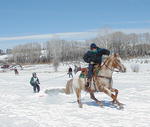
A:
(70, 72)
(35, 83)
(16, 71)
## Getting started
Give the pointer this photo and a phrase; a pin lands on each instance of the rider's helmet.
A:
(34, 74)
(93, 46)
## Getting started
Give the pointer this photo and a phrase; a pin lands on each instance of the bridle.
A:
(112, 70)
(104, 64)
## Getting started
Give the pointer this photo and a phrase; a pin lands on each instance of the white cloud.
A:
(50, 36)
(133, 30)
(71, 35)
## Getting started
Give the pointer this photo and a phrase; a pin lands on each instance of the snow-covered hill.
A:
(20, 107)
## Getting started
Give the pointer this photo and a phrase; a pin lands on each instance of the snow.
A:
(3, 57)
(20, 107)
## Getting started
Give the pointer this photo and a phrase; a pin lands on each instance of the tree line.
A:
(127, 45)
(56, 50)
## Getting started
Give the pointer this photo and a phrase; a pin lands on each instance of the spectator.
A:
(35, 83)
(70, 72)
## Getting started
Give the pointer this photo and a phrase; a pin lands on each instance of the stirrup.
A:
(88, 89)
(87, 85)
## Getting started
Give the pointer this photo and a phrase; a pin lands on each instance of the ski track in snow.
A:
(20, 107)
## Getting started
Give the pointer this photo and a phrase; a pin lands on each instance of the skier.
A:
(35, 83)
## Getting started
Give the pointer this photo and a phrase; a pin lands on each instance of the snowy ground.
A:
(20, 107)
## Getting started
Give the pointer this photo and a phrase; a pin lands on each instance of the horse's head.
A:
(115, 62)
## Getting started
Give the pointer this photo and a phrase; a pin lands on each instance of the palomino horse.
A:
(102, 81)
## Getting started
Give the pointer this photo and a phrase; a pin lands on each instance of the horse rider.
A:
(35, 83)
(93, 57)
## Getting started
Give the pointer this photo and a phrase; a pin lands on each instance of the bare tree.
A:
(57, 50)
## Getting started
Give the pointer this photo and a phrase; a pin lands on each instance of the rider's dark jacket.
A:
(95, 56)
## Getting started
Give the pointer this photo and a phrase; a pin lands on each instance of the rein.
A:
(104, 77)
(104, 64)
(100, 76)
(110, 68)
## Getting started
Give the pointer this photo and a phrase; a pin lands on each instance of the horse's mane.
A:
(107, 59)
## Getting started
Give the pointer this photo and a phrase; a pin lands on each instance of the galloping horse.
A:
(102, 81)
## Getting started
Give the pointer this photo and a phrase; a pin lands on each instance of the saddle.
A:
(84, 71)
(89, 82)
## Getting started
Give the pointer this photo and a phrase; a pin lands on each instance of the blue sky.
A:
(39, 17)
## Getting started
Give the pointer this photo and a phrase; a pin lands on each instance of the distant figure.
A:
(75, 69)
(70, 72)
(35, 83)
(16, 71)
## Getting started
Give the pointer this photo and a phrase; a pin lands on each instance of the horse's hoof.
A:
(121, 107)
(121, 104)
(100, 104)
(80, 106)
(113, 102)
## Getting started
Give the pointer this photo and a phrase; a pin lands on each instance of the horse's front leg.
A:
(115, 96)
(78, 93)
(94, 98)
(109, 93)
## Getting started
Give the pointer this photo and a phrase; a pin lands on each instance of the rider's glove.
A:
(91, 62)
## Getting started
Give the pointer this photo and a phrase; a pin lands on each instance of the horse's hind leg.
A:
(97, 101)
(78, 93)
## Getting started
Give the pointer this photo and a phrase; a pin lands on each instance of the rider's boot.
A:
(87, 85)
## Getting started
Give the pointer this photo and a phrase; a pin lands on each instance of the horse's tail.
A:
(69, 89)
